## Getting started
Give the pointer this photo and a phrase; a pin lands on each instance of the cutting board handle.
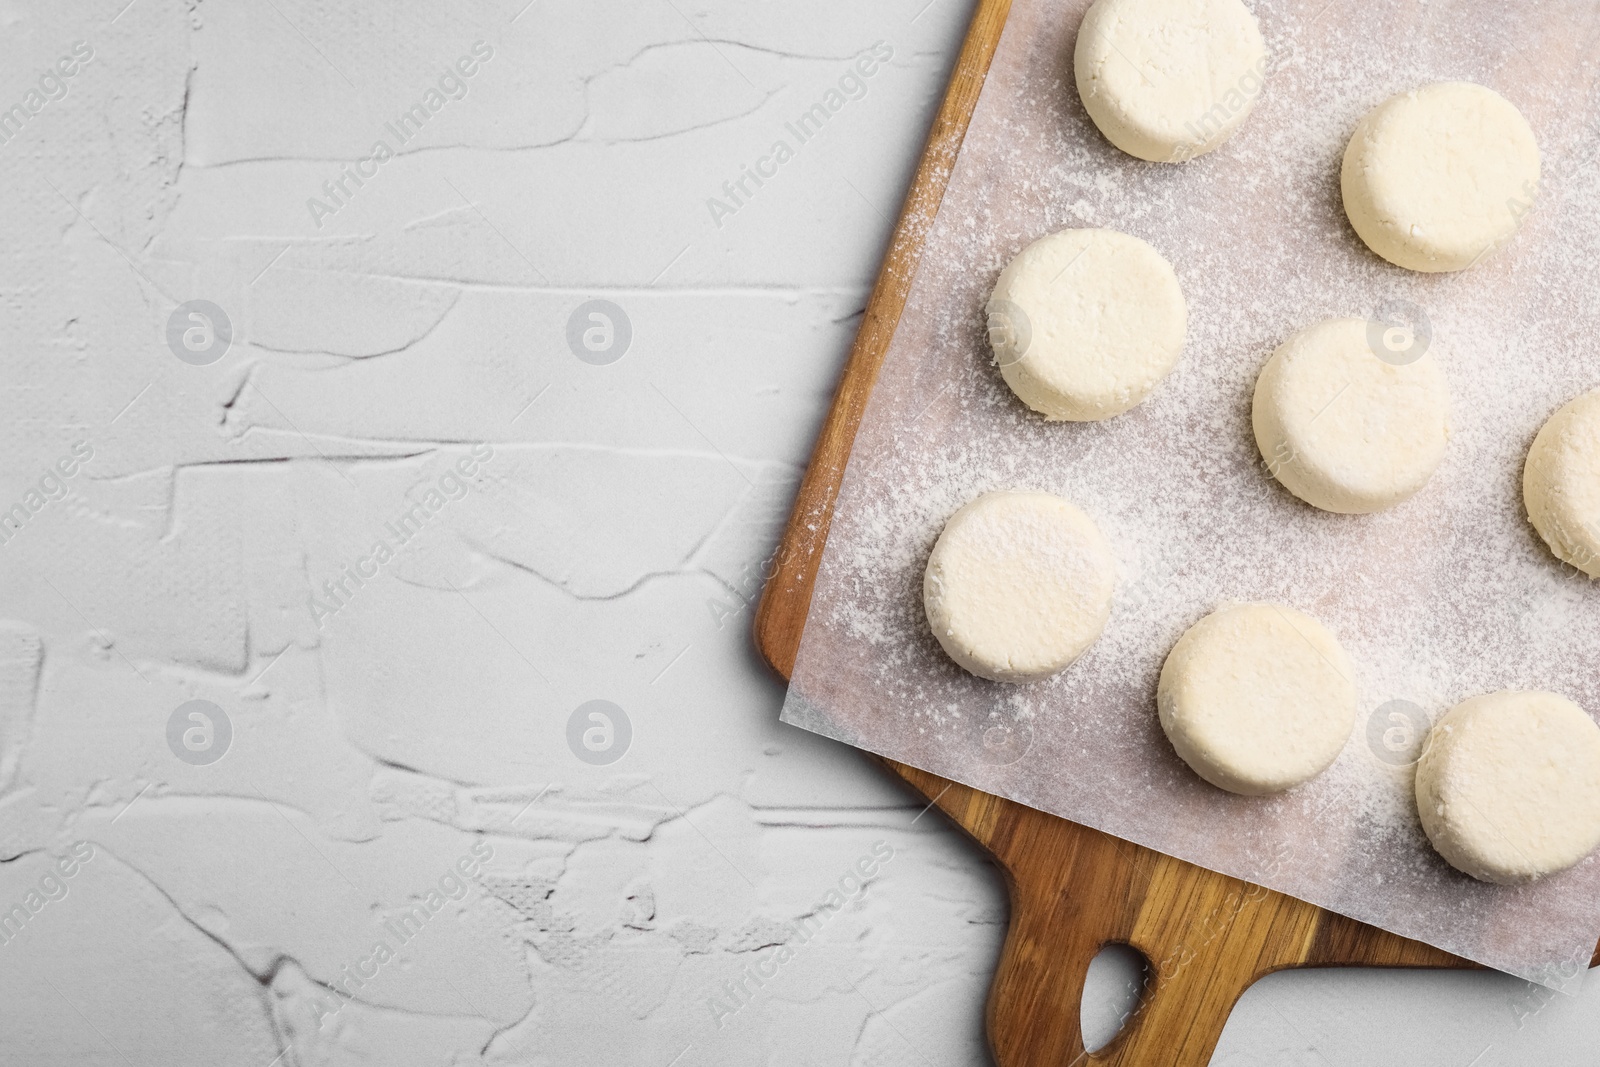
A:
(1035, 1004)
(1205, 937)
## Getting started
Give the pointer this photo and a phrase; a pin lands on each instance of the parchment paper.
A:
(1448, 595)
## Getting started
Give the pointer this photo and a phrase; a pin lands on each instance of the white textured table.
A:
(399, 501)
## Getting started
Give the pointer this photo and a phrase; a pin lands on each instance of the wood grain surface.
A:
(1206, 936)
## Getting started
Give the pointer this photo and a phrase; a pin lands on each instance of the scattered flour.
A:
(1447, 595)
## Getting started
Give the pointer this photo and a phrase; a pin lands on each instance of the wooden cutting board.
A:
(1073, 890)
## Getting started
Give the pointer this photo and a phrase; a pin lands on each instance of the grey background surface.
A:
(400, 760)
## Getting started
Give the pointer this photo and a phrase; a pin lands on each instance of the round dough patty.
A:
(1345, 430)
(1561, 483)
(1018, 586)
(1509, 788)
(1257, 698)
(1085, 323)
(1167, 80)
(1436, 177)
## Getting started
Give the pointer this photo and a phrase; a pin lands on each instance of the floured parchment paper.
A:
(1445, 596)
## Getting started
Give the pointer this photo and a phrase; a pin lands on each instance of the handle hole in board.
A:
(1112, 993)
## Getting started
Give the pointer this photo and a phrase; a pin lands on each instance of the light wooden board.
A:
(1207, 937)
